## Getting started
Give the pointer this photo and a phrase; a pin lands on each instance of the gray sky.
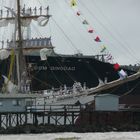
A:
(115, 21)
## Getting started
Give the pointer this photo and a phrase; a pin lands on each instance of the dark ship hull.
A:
(61, 70)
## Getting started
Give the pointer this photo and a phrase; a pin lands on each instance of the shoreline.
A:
(32, 129)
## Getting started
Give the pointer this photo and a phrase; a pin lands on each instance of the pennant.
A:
(116, 67)
(103, 49)
(90, 30)
(78, 13)
(97, 39)
(109, 57)
(73, 3)
(85, 22)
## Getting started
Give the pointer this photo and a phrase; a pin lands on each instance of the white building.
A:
(106, 102)
(16, 102)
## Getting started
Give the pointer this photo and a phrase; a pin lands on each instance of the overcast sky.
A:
(115, 21)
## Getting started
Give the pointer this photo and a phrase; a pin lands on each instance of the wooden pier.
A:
(67, 118)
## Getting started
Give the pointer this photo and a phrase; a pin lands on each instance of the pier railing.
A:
(52, 108)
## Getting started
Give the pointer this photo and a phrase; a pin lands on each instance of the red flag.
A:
(97, 39)
(116, 66)
(90, 30)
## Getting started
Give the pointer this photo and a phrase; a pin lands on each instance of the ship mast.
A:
(18, 17)
(20, 59)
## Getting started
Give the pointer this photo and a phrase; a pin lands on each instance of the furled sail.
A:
(3, 23)
(42, 21)
(4, 54)
(10, 87)
(44, 53)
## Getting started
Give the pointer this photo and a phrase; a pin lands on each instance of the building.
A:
(106, 102)
(16, 102)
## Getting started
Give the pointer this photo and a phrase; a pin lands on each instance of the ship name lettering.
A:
(55, 68)
(40, 68)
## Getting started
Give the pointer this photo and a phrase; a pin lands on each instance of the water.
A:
(75, 136)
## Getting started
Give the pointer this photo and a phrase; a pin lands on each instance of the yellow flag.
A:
(73, 3)
(103, 48)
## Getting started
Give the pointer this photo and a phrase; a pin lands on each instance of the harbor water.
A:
(75, 136)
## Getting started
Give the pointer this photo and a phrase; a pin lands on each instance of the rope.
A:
(10, 69)
(54, 75)
(11, 64)
(73, 45)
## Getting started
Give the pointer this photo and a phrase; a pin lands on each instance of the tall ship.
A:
(40, 68)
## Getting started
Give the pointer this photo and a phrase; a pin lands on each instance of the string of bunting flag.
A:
(103, 49)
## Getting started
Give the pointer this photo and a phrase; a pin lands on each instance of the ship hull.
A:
(57, 71)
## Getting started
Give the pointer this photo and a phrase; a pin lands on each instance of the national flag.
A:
(116, 67)
(97, 39)
(103, 49)
(122, 74)
(73, 3)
